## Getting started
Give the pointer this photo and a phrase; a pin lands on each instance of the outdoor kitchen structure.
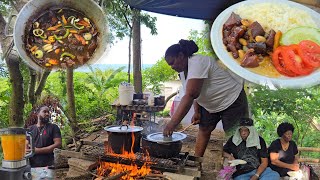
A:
(96, 159)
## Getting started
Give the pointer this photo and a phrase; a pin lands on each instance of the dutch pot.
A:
(158, 146)
(124, 137)
(34, 8)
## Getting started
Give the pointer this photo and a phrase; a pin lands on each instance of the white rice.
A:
(276, 16)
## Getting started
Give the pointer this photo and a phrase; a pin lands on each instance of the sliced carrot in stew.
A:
(53, 61)
(80, 38)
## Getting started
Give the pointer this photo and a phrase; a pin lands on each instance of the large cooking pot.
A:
(35, 7)
(124, 138)
(162, 147)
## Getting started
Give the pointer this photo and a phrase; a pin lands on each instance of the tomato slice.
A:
(309, 51)
(278, 62)
(294, 62)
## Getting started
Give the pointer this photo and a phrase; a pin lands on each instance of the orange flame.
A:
(117, 168)
(113, 169)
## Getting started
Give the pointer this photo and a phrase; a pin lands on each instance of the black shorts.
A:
(230, 117)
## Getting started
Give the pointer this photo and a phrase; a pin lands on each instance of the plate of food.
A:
(236, 162)
(274, 43)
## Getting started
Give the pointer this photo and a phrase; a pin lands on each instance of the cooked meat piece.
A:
(233, 49)
(61, 32)
(250, 59)
(85, 30)
(226, 33)
(237, 32)
(45, 25)
(92, 45)
(270, 38)
(256, 29)
(259, 47)
(54, 20)
(72, 46)
(73, 40)
(246, 35)
(38, 40)
(233, 20)
(232, 40)
(80, 48)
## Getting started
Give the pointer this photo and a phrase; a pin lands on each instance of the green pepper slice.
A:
(67, 54)
(62, 37)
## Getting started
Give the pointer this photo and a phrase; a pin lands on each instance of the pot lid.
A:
(159, 138)
(123, 128)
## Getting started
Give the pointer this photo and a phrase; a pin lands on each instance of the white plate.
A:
(226, 57)
(236, 162)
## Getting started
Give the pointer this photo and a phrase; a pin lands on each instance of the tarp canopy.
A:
(196, 9)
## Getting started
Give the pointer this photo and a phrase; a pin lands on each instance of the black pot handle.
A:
(125, 126)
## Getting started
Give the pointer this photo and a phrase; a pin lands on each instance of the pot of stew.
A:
(60, 34)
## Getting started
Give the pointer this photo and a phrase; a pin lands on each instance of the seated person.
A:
(247, 145)
(283, 151)
(46, 137)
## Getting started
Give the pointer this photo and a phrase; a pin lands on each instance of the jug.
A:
(13, 142)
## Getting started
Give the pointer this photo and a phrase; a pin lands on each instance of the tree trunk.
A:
(71, 102)
(16, 105)
(42, 83)
(32, 86)
(136, 39)
(16, 102)
(129, 62)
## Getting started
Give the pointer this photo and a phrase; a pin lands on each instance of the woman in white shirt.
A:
(216, 93)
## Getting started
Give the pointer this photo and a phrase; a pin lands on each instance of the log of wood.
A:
(117, 176)
(75, 174)
(312, 160)
(311, 149)
(82, 164)
(60, 161)
(79, 155)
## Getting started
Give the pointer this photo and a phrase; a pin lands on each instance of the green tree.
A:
(155, 76)
(202, 39)
(301, 107)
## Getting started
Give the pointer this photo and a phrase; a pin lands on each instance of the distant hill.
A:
(104, 67)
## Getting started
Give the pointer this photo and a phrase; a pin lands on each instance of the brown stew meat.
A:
(61, 38)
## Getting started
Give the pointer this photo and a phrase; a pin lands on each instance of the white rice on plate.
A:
(276, 16)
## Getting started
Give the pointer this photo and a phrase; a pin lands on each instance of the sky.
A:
(170, 30)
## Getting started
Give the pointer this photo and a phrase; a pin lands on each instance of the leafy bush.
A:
(155, 76)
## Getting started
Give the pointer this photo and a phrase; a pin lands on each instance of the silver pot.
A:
(36, 7)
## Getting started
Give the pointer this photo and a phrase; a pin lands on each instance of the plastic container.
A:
(126, 92)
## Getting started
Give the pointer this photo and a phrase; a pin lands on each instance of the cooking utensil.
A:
(161, 150)
(227, 59)
(187, 127)
(121, 138)
(35, 7)
(159, 138)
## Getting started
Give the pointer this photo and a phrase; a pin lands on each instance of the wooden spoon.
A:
(186, 127)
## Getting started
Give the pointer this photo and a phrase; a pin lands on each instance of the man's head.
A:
(244, 131)
(43, 114)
